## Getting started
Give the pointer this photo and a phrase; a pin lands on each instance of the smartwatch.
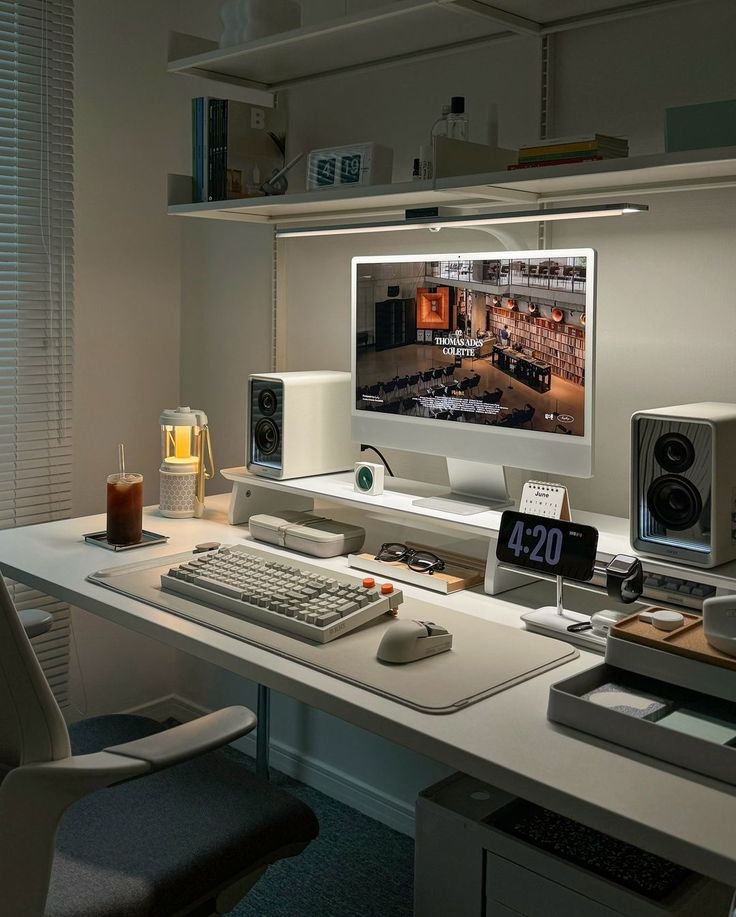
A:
(625, 578)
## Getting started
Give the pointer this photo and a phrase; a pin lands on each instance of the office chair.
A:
(128, 819)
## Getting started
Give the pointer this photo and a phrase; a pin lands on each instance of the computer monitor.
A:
(485, 358)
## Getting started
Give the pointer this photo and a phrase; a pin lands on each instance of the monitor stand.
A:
(474, 488)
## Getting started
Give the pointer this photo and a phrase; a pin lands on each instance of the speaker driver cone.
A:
(266, 435)
(267, 402)
(674, 452)
(674, 502)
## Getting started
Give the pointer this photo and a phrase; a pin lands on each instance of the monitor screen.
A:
(499, 340)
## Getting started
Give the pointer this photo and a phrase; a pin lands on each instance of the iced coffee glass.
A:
(124, 508)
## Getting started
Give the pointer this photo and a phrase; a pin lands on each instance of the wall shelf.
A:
(387, 35)
(650, 174)
(402, 30)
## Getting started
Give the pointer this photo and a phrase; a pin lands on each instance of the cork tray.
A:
(688, 640)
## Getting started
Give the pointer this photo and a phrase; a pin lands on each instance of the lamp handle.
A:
(208, 473)
(203, 473)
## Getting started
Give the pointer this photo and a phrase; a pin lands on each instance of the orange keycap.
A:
(387, 588)
(369, 582)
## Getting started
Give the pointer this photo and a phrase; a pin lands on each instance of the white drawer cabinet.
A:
(466, 866)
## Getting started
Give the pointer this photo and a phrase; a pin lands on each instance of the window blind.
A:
(36, 274)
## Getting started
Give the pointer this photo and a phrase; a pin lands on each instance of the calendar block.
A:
(540, 498)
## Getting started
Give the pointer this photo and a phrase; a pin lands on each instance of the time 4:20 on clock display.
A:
(547, 545)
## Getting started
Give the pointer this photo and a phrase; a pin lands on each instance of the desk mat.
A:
(485, 658)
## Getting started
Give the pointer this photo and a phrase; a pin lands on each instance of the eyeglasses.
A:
(419, 561)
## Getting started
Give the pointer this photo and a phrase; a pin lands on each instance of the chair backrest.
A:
(32, 728)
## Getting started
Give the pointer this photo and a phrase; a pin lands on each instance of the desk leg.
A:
(263, 731)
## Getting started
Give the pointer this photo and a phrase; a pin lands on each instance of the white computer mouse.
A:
(719, 623)
(407, 641)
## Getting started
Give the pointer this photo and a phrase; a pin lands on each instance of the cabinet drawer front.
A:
(531, 895)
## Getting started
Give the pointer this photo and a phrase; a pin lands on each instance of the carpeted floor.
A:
(357, 867)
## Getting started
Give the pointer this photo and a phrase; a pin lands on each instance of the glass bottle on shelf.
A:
(440, 126)
(458, 126)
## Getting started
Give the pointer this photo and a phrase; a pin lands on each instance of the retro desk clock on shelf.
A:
(355, 164)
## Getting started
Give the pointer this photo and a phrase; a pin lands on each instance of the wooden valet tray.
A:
(460, 572)
(688, 640)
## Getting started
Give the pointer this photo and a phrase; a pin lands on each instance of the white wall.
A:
(149, 330)
(127, 296)
(621, 76)
(226, 327)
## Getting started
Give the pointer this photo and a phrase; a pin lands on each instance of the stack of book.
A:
(236, 147)
(566, 150)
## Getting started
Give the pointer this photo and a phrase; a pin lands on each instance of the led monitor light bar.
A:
(453, 222)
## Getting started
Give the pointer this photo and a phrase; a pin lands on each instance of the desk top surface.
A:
(505, 740)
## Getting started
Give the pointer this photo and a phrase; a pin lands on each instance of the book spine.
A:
(559, 149)
(223, 149)
(218, 173)
(573, 154)
(197, 149)
(553, 157)
(194, 151)
(554, 162)
(201, 149)
(565, 144)
(215, 154)
(211, 114)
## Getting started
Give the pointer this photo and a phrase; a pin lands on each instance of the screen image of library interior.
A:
(489, 342)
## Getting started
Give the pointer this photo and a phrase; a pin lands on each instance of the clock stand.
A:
(561, 623)
(550, 500)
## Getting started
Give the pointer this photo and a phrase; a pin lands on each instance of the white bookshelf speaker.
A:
(683, 483)
(368, 479)
(298, 424)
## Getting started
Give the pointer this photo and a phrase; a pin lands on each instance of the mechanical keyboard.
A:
(295, 597)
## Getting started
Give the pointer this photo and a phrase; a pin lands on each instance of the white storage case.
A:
(307, 533)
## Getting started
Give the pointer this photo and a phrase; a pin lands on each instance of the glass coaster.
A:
(100, 539)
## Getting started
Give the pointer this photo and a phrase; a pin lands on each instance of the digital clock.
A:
(547, 545)
(356, 164)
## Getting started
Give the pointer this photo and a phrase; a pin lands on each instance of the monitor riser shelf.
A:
(256, 494)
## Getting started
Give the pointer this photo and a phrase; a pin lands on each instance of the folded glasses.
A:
(419, 561)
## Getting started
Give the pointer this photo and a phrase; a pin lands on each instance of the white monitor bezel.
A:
(517, 448)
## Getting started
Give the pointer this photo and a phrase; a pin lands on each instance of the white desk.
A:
(505, 740)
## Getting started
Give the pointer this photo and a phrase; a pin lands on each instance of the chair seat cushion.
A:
(153, 846)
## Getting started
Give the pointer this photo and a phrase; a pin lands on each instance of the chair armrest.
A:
(190, 739)
(35, 621)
